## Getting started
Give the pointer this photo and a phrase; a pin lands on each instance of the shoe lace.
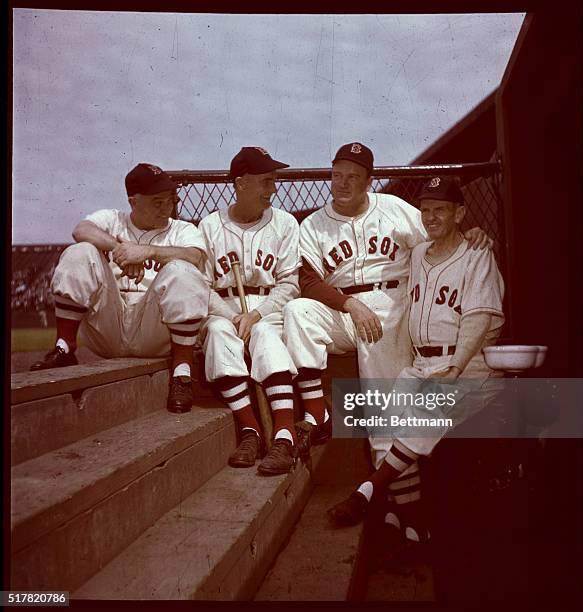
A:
(281, 448)
(249, 441)
(178, 387)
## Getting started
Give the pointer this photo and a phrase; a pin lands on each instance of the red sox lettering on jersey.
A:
(367, 249)
(441, 295)
(267, 250)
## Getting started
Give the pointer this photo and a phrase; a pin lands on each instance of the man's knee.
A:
(296, 309)
(219, 325)
(81, 253)
(183, 272)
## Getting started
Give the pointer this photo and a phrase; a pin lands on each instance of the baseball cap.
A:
(148, 179)
(442, 188)
(253, 160)
(357, 153)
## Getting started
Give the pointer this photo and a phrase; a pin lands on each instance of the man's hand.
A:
(367, 324)
(450, 375)
(244, 323)
(478, 239)
(127, 253)
(135, 271)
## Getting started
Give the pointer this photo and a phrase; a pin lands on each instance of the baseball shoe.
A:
(312, 435)
(57, 358)
(280, 458)
(248, 450)
(180, 394)
(349, 512)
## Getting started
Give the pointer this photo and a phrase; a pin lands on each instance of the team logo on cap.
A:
(356, 148)
(434, 182)
(154, 169)
(261, 150)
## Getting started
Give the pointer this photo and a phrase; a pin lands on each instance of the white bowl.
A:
(540, 356)
(512, 357)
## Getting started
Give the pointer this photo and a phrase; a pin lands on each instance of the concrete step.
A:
(320, 562)
(75, 508)
(215, 545)
(79, 401)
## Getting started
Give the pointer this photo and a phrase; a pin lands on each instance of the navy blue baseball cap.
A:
(444, 188)
(356, 152)
(253, 160)
(148, 179)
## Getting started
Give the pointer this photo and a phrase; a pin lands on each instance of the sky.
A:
(95, 93)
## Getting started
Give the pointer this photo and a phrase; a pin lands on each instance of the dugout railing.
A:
(302, 190)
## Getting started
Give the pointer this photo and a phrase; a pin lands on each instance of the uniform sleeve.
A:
(313, 287)
(106, 220)
(209, 260)
(471, 336)
(287, 285)
(309, 248)
(288, 257)
(189, 235)
(285, 290)
(483, 288)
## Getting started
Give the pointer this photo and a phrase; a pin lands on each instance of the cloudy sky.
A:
(97, 92)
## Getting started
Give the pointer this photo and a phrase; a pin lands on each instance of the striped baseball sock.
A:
(235, 393)
(182, 340)
(398, 459)
(309, 382)
(68, 318)
(279, 390)
(406, 493)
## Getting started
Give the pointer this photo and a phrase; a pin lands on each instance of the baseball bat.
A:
(262, 403)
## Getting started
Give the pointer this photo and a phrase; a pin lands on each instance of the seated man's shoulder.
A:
(212, 218)
(282, 216)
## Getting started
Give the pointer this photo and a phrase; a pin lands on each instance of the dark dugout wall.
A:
(538, 118)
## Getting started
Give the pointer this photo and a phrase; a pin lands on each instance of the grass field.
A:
(26, 340)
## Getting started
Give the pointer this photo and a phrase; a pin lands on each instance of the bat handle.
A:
(236, 267)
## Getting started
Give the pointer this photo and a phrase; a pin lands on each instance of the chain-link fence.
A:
(301, 191)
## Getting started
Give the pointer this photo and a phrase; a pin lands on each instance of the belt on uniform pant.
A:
(370, 287)
(435, 351)
(232, 291)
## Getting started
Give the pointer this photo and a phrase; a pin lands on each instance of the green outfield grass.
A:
(26, 340)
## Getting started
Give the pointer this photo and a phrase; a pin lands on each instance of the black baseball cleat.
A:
(312, 435)
(280, 458)
(57, 358)
(248, 451)
(180, 394)
(349, 512)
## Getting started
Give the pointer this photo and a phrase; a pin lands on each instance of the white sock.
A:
(182, 369)
(63, 344)
(392, 519)
(309, 419)
(366, 488)
(285, 434)
(411, 534)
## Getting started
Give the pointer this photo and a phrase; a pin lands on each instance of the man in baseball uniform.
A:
(355, 265)
(266, 243)
(455, 310)
(131, 284)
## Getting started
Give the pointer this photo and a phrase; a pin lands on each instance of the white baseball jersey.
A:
(268, 251)
(441, 295)
(373, 247)
(119, 224)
